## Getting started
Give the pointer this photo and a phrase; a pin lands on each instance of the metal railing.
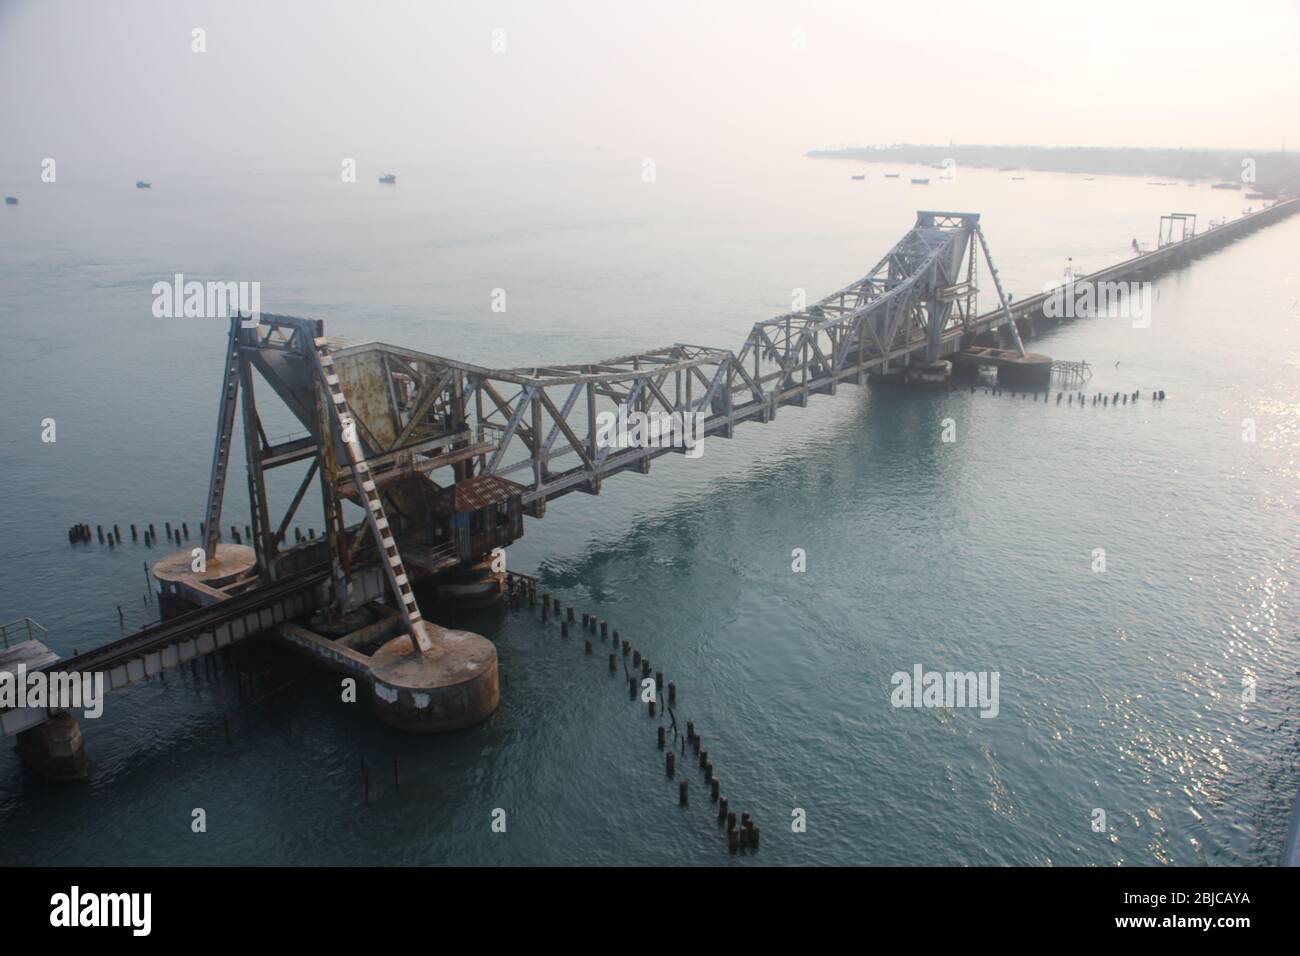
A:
(24, 629)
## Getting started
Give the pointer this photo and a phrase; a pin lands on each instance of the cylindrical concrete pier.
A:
(1032, 369)
(455, 685)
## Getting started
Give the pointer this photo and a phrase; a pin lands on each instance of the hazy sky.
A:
(117, 82)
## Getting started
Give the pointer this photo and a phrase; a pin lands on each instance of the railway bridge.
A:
(425, 465)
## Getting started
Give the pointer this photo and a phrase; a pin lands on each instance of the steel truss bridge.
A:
(417, 413)
(423, 422)
(440, 455)
(415, 440)
(917, 303)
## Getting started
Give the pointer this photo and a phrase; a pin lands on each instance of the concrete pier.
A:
(929, 374)
(1027, 371)
(454, 685)
(1030, 370)
(55, 749)
(181, 588)
(471, 585)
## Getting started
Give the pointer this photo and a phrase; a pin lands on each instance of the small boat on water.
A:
(1007, 169)
(1225, 185)
(1256, 195)
(863, 176)
(891, 175)
(1016, 179)
(920, 181)
(11, 200)
(141, 184)
(388, 178)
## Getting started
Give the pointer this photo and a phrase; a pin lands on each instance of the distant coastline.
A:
(1273, 170)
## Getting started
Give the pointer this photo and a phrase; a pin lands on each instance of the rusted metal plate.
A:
(482, 491)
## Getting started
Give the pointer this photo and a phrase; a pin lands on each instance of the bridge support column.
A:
(1033, 370)
(471, 585)
(455, 686)
(452, 686)
(55, 749)
(929, 374)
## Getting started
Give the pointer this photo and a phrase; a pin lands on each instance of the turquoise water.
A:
(1119, 691)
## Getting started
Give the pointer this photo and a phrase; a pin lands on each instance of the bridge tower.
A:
(373, 423)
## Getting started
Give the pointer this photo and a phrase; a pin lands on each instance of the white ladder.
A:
(375, 516)
(221, 453)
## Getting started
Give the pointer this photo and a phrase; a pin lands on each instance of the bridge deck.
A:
(1167, 255)
(908, 305)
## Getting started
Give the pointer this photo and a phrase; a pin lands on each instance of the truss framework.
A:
(918, 302)
(417, 414)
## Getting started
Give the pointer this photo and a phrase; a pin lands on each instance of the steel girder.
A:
(422, 413)
(918, 301)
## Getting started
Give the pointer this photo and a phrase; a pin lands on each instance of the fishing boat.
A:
(141, 184)
(389, 179)
(1016, 179)
(1225, 185)
(863, 176)
(920, 181)
(891, 175)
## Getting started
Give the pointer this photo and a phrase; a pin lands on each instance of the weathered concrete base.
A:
(181, 588)
(929, 374)
(453, 686)
(55, 749)
(471, 585)
(886, 375)
(1033, 370)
